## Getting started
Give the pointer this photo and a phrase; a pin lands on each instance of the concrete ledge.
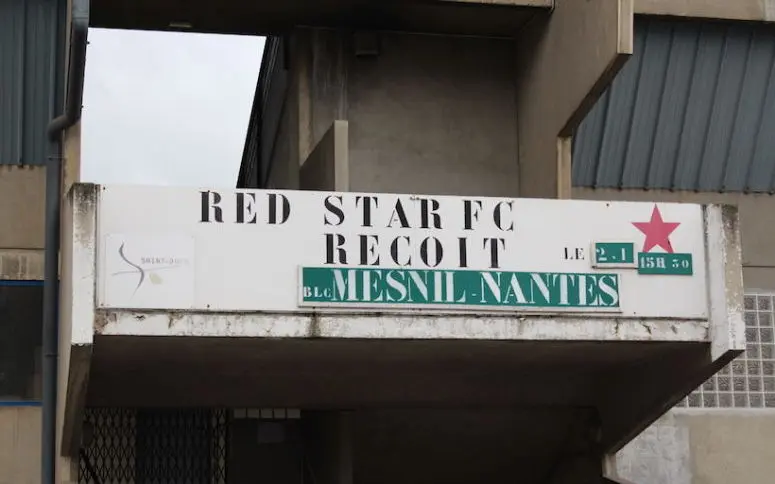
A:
(752, 10)
(397, 326)
(516, 3)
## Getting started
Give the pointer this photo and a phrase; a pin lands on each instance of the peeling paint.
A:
(173, 317)
(103, 318)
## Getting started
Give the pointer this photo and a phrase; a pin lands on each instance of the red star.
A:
(657, 231)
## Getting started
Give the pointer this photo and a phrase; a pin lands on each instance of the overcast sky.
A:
(166, 108)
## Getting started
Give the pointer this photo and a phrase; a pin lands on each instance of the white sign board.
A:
(232, 250)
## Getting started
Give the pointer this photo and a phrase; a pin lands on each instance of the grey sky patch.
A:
(164, 108)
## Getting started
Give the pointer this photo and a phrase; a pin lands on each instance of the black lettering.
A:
(495, 250)
(210, 200)
(367, 206)
(428, 207)
(470, 214)
(463, 242)
(497, 215)
(438, 252)
(398, 211)
(369, 248)
(335, 210)
(577, 253)
(246, 207)
(333, 248)
(286, 209)
(394, 251)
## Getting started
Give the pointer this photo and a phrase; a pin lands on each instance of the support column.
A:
(76, 322)
(565, 63)
(328, 443)
(316, 97)
(327, 167)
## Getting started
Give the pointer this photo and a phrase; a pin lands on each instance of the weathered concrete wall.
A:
(693, 446)
(284, 171)
(450, 109)
(21, 264)
(21, 258)
(564, 65)
(434, 114)
(439, 107)
(327, 167)
(22, 196)
(20, 445)
(22, 201)
(758, 236)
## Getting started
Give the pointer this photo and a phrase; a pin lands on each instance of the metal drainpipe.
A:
(79, 29)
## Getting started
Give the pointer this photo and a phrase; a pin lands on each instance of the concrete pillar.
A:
(76, 332)
(580, 459)
(328, 445)
(314, 99)
(71, 153)
(564, 64)
(327, 167)
(74, 361)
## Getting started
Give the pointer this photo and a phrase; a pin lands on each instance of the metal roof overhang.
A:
(264, 17)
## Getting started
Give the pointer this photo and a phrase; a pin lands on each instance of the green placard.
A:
(418, 287)
(653, 263)
(614, 253)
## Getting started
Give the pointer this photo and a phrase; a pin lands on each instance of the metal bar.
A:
(79, 29)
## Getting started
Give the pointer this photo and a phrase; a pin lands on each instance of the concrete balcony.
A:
(234, 321)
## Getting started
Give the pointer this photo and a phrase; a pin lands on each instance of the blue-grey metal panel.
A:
(265, 115)
(694, 109)
(30, 80)
(273, 96)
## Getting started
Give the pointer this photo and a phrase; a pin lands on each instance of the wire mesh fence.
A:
(154, 446)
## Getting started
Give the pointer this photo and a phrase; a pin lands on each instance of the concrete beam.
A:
(752, 10)
(565, 63)
(516, 3)
(327, 167)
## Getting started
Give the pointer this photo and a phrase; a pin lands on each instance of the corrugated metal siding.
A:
(265, 115)
(694, 109)
(29, 31)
